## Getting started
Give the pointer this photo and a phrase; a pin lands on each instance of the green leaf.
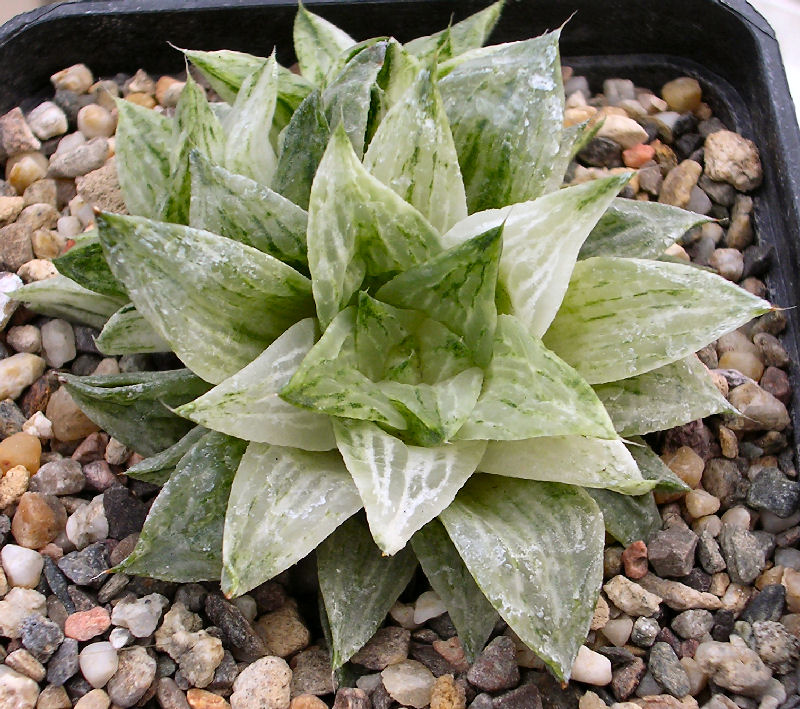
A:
(573, 139)
(457, 288)
(358, 229)
(400, 71)
(663, 398)
(247, 404)
(470, 33)
(348, 97)
(541, 240)
(304, 145)
(182, 536)
(317, 44)
(217, 302)
(573, 460)
(135, 407)
(174, 205)
(227, 70)
(127, 332)
(639, 229)
(359, 585)
(283, 503)
(536, 551)
(158, 468)
(623, 317)
(85, 264)
(328, 379)
(195, 120)
(239, 208)
(143, 146)
(413, 153)
(653, 468)
(506, 108)
(248, 150)
(473, 616)
(529, 392)
(403, 487)
(628, 518)
(60, 297)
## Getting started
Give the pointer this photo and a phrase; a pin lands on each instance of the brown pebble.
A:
(91, 448)
(634, 559)
(38, 394)
(20, 449)
(54, 697)
(123, 549)
(39, 519)
(307, 701)
(69, 422)
(202, 699)
(141, 99)
(447, 694)
(452, 651)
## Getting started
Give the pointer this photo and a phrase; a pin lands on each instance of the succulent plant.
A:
(385, 299)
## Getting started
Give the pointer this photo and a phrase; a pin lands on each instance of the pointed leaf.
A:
(506, 108)
(457, 288)
(248, 150)
(359, 585)
(61, 297)
(413, 153)
(158, 468)
(536, 551)
(403, 487)
(529, 392)
(135, 407)
(573, 460)
(328, 379)
(317, 44)
(217, 302)
(85, 264)
(639, 229)
(247, 404)
(358, 228)
(239, 208)
(127, 332)
(573, 139)
(143, 146)
(470, 33)
(182, 536)
(195, 120)
(653, 468)
(628, 518)
(283, 503)
(663, 398)
(473, 616)
(535, 266)
(348, 97)
(400, 71)
(304, 145)
(623, 317)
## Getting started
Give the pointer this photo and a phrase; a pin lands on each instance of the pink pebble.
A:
(638, 155)
(86, 625)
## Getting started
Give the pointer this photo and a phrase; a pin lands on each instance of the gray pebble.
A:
(169, 695)
(771, 490)
(113, 587)
(668, 671)
(671, 551)
(236, 631)
(743, 552)
(644, 631)
(496, 667)
(192, 595)
(709, 554)
(59, 477)
(776, 646)
(86, 567)
(40, 636)
(85, 158)
(58, 583)
(693, 624)
(125, 513)
(768, 604)
(11, 418)
(64, 663)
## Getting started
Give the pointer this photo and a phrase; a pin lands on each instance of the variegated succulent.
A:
(384, 298)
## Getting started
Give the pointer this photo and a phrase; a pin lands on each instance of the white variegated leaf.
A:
(317, 44)
(529, 392)
(247, 405)
(283, 503)
(623, 317)
(663, 398)
(573, 460)
(413, 153)
(248, 150)
(541, 240)
(536, 551)
(128, 332)
(403, 487)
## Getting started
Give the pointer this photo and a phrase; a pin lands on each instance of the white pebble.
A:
(16, 690)
(409, 682)
(25, 338)
(69, 227)
(737, 517)
(120, 637)
(591, 667)
(140, 615)
(8, 282)
(69, 142)
(47, 120)
(87, 524)
(618, 630)
(23, 566)
(58, 343)
(98, 663)
(38, 269)
(17, 372)
(246, 604)
(38, 425)
(77, 78)
(428, 606)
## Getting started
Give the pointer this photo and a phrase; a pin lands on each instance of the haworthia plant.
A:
(383, 300)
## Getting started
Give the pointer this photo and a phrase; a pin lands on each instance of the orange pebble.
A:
(638, 155)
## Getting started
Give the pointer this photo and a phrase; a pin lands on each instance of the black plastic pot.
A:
(725, 44)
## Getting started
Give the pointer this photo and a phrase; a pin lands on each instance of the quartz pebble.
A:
(16, 690)
(58, 342)
(18, 372)
(98, 663)
(409, 682)
(22, 567)
(591, 667)
(47, 120)
(140, 615)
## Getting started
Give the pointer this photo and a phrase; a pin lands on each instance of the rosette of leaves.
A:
(385, 299)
